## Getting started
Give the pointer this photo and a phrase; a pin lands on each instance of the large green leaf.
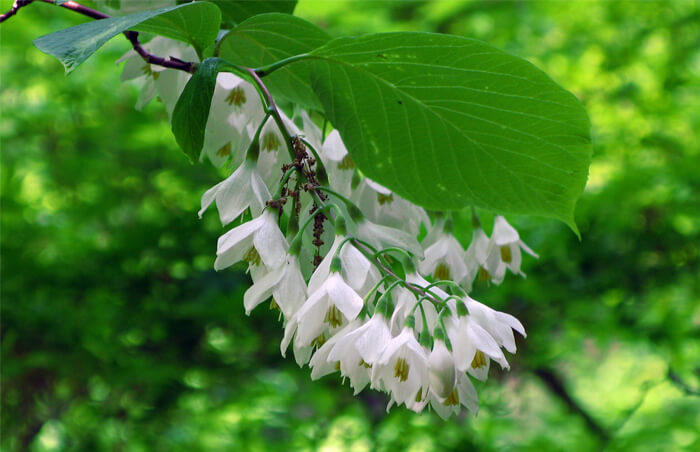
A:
(268, 38)
(198, 27)
(196, 23)
(192, 108)
(236, 11)
(448, 122)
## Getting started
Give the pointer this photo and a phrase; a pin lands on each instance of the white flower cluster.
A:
(357, 292)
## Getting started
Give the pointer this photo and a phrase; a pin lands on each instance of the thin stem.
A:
(273, 110)
(446, 282)
(336, 194)
(262, 71)
(13, 10)
(393, 248)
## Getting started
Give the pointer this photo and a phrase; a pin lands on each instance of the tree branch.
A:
(555, 384)
(132, 36)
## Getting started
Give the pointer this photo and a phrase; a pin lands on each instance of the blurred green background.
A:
(117, 335)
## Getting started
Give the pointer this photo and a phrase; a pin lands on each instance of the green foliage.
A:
(197, 26)
(117, 335)
(236, 11)
(192, 108)
(268, 38)
(195, 23)
(449, 122)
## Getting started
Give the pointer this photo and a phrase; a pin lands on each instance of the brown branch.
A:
(555, 384)
(132, 36)
(15, 7)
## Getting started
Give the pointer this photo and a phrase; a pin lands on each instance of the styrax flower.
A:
(259, 239)
(504, 250)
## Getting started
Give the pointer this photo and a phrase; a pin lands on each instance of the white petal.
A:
(262, 289)
(334, 148)
(270, 242)
(343, 297)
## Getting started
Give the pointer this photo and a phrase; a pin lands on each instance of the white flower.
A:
(331, 305)
(356, 269)
(504, 250)
(383, 206)
(338, 163)
(241, 190)
(257, 240)
(445, 260)
(472, 345)
(463, 394)
(498, 324)
(381, 236)
(285, 283)
(320, 363)
(441, 367)
(402, 369)
(406, 301)
(476, 256)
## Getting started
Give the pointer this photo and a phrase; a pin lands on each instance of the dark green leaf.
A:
(449, 122)
(192, 22)
(268, 38)
(236, 11)
(192, 109)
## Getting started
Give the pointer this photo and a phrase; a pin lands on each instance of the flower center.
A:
(419, 395)
(479, 360)
(333, 316)
(274, 306)
(319, 340)
(252, 257)
(452, 399)
(224, 150)
(483, 275)
(236, 97)
(270, 142)
(506, 255)
(146, 69)
(385, 199)
(442, 271)
(401, 369)
(347, 163)
(364, 364)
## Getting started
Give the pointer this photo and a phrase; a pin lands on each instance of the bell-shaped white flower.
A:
(384, 207)
(331, 305)
(285, 284)
(462, 394)
(380, 236)
(476, 257)
(241, 190)
(257, 240)
(321, 363)
(445, 260)
(406, 303)
(504, 250)
(498, 324)
(441, 367)
(356, 269)
(472, 345)
(403, 367)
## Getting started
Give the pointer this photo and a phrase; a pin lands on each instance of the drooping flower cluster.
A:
(339, 256)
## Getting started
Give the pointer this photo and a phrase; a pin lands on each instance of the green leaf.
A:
(198, 27)
(192, 108)
(268, 38)
(448, 122)
(236, 11)
(193, 22)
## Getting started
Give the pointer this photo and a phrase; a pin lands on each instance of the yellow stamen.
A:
(319, 341)
(270, 142)
(483, 275)
(442, 271)
(236, 97)
(333, 316)
(224, 150)
(346, 163)
(274, 306)
(401, 369)
(146, 69)
(506, 255)
(419, 395)
(452, 399)
(252, 257)
(364, 364)
(385, 199)
(337, 366)
(479, 360)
